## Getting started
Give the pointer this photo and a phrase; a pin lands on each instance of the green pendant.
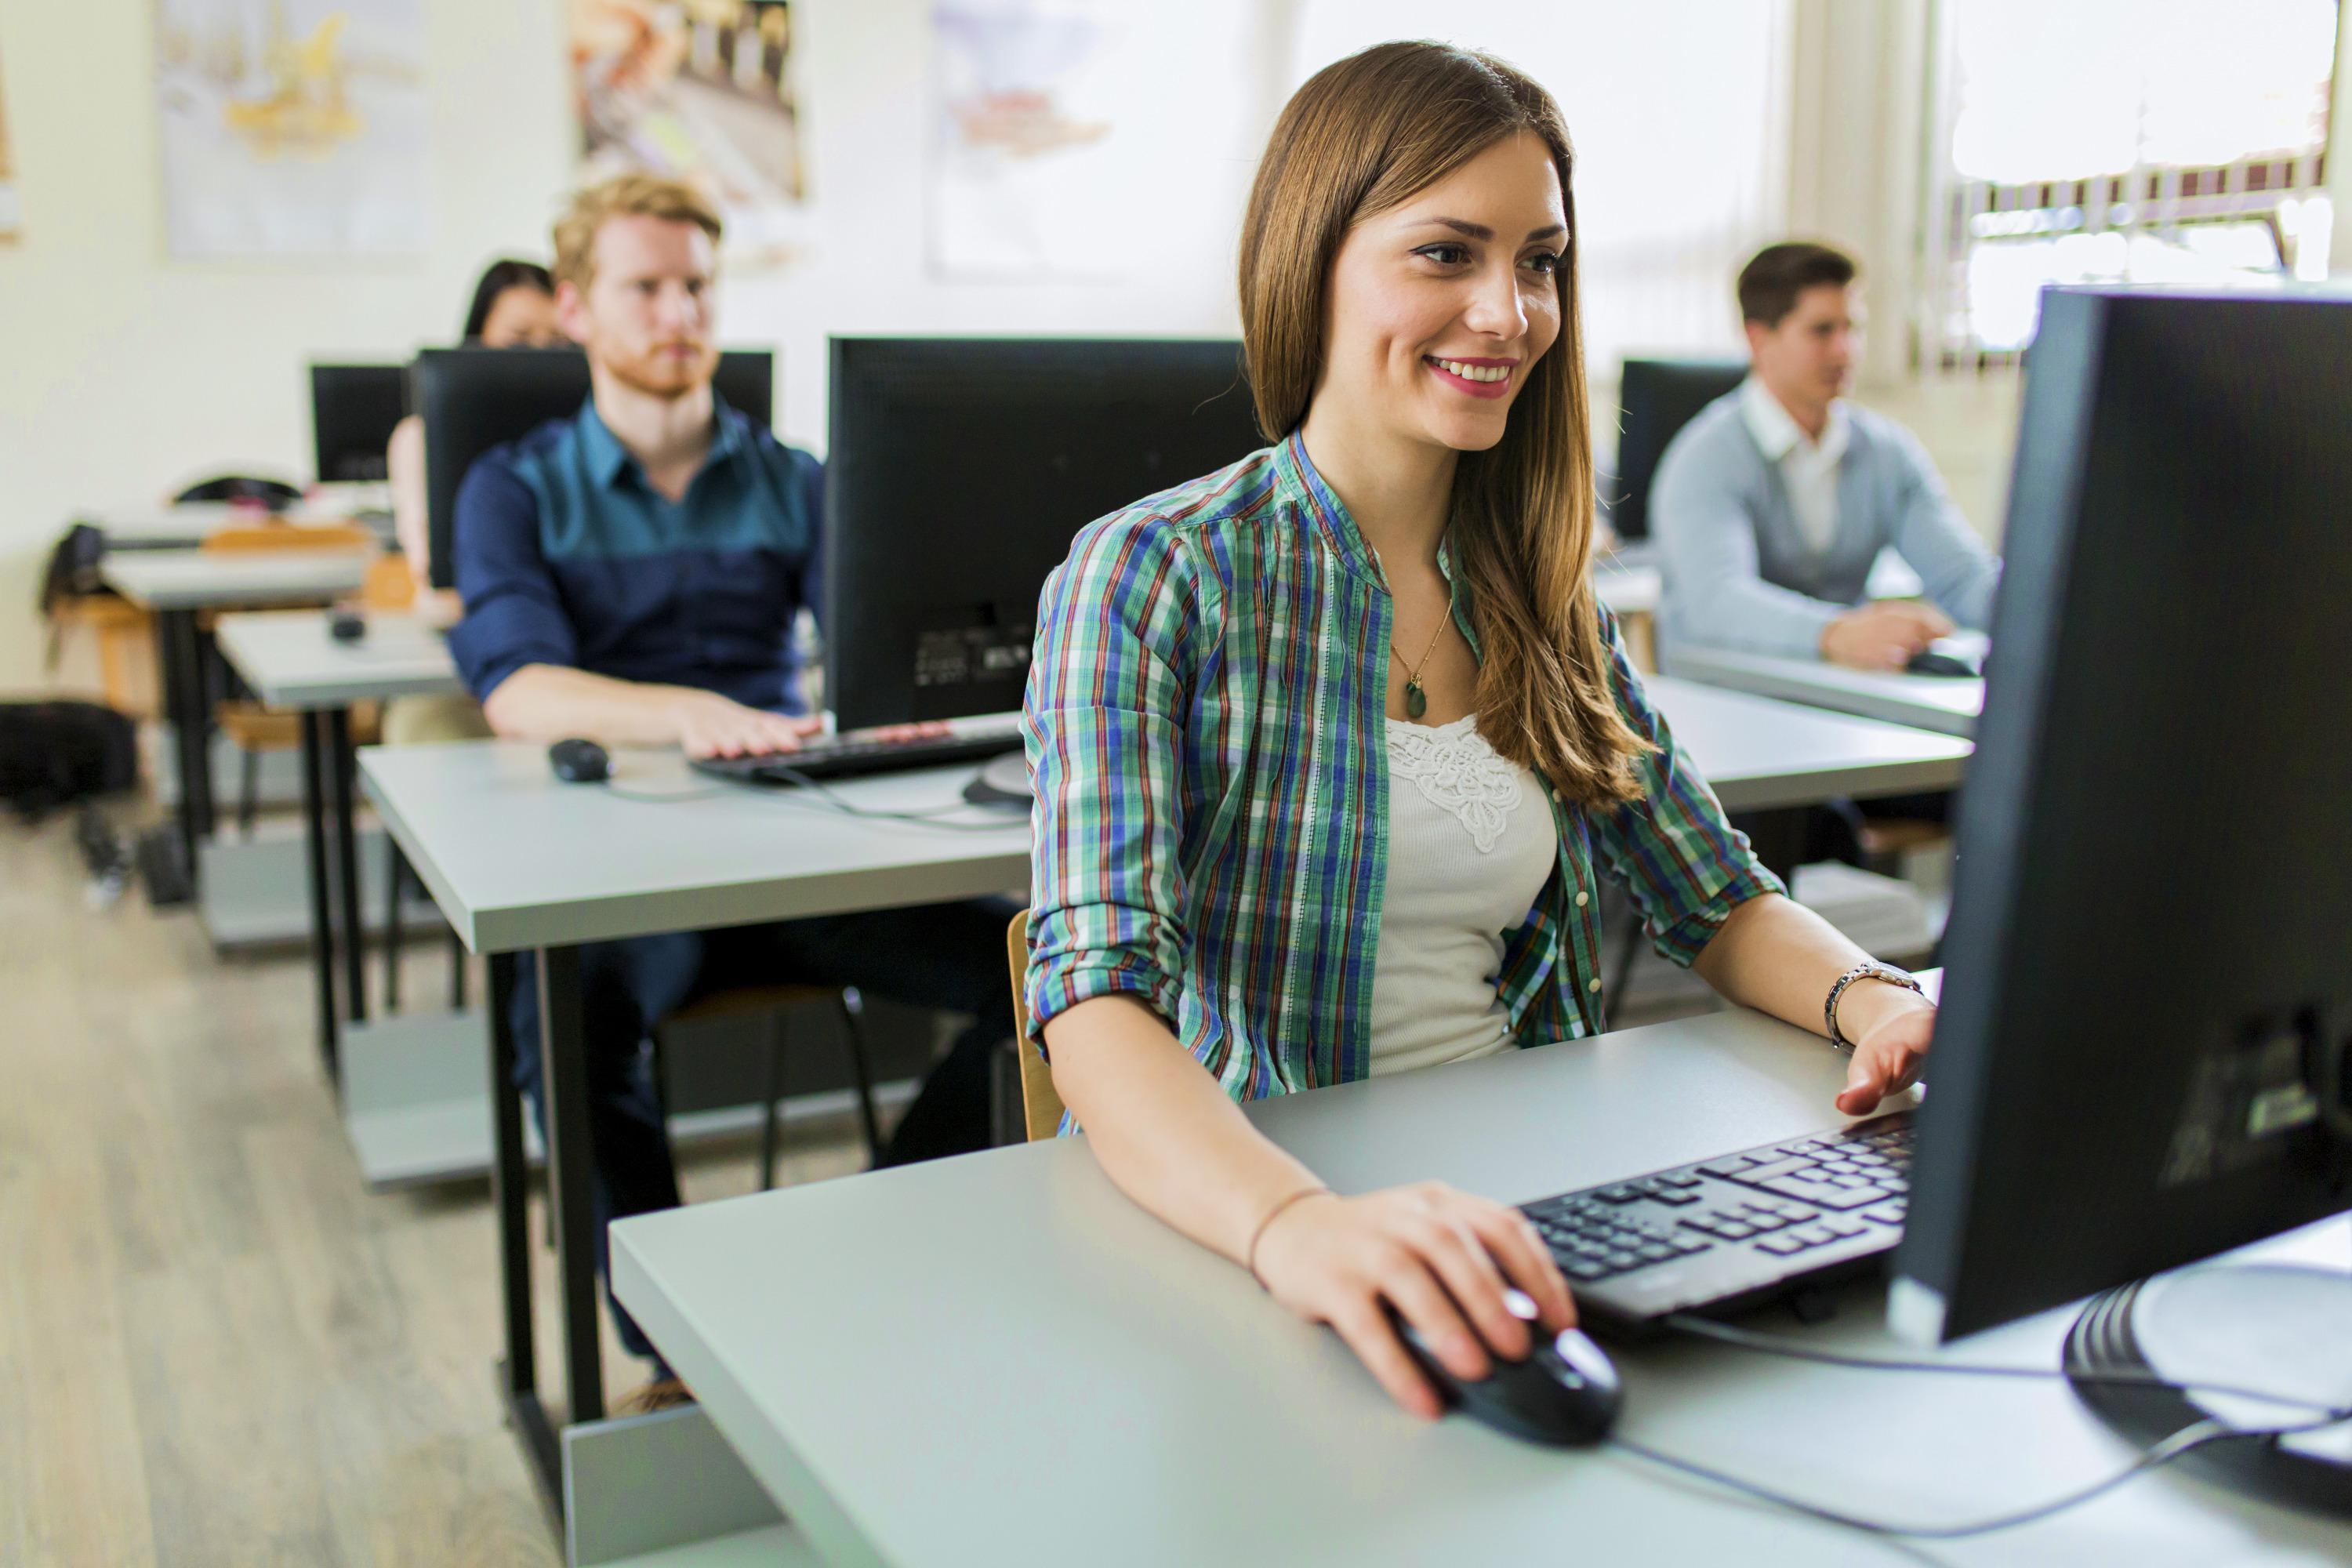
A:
(1416, 700)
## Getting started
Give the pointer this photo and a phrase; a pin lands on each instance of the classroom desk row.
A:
(498, 841)
(495, 841)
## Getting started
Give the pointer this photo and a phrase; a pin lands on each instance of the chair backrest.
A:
(389, 584)
(1656, 397)
(1041, 1106)
(241, 536)
(473, 399)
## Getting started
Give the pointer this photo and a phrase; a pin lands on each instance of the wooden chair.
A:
(250, 536)
(775, 1001)
(1041, 1104)
(124, 637)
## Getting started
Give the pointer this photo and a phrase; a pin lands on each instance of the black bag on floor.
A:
(55, 754)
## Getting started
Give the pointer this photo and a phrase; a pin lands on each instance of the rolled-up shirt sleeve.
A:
(1104, 728)
(1671, 848)
(514, 609)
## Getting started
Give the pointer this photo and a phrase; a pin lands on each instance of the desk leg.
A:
(511, 1199)
(323, 929)
(563, 1080)
(203, 662)
(182, 695)
(347, 865)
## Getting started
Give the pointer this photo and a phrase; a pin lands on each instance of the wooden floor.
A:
(216, 1346)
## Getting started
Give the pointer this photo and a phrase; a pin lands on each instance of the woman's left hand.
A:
(1888, 1053)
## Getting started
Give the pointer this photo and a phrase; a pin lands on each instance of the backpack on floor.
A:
(55, 754)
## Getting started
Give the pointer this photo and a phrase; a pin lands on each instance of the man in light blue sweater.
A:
(1772, 504)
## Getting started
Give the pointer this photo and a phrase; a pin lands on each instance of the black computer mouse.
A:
(1565, 1393)
(580, 761)
(1927, 661)
(346, 626)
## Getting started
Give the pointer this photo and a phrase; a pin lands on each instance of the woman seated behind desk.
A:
(1329, 746)
(514, 307)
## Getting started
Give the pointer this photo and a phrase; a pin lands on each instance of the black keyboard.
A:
(828, 758)
(1735, 1232)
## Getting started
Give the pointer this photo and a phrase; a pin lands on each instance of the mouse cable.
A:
(933, 817)
(2181, 1442)
(1776, 1344)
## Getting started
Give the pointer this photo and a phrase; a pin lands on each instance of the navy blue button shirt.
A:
(566, 555)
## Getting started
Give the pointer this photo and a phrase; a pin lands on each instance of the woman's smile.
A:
(1473, 377)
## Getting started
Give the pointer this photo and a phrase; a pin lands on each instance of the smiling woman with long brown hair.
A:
(1331, 747)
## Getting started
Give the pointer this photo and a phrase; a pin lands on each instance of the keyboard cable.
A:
(2186, 1441)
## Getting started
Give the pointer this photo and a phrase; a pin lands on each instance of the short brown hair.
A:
(634, 194)
(1361, 137)
(1770, 283)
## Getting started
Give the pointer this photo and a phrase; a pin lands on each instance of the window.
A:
(2123, 141)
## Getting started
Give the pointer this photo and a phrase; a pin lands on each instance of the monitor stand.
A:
(2255, 1326)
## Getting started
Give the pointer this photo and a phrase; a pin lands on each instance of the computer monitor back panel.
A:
(352, 410)
(1655, 398)
(2152, 918)
(472, 399)
(960, 468)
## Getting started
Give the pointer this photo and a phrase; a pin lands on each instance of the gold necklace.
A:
(1416, 700)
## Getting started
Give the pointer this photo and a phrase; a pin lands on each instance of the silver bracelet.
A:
(1868, 969)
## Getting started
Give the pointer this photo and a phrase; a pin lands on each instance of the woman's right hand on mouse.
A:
(1423, 1249)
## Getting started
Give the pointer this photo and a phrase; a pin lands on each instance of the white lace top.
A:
(1470, 843)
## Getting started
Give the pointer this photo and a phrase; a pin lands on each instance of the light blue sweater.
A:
(1739, 573)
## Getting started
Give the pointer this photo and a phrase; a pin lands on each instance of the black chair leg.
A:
(395, 880)
(248, 790)
(769, 1132)
(853, 1020)
(1623, 981)
(457, 967)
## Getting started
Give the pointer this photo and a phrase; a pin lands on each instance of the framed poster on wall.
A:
(292, 128)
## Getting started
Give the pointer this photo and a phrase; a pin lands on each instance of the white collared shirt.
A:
(1809, 468)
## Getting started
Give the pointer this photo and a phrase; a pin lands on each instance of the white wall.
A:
(127, 374)
(124, 373)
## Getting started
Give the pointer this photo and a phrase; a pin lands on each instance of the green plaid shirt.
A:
(1206, 725)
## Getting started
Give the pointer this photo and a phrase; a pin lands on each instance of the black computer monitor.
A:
(352, 410)
(1656, 397)
(2142, 1055)
(473, 399)
(958, 471)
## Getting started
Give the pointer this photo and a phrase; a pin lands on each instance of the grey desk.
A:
(1771, 762)
(500, 846)
(524, 865)
(1763, 755)
(999, 1360)
(290, 662)
(174, 585)
(1942, 703)
(185, 525)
